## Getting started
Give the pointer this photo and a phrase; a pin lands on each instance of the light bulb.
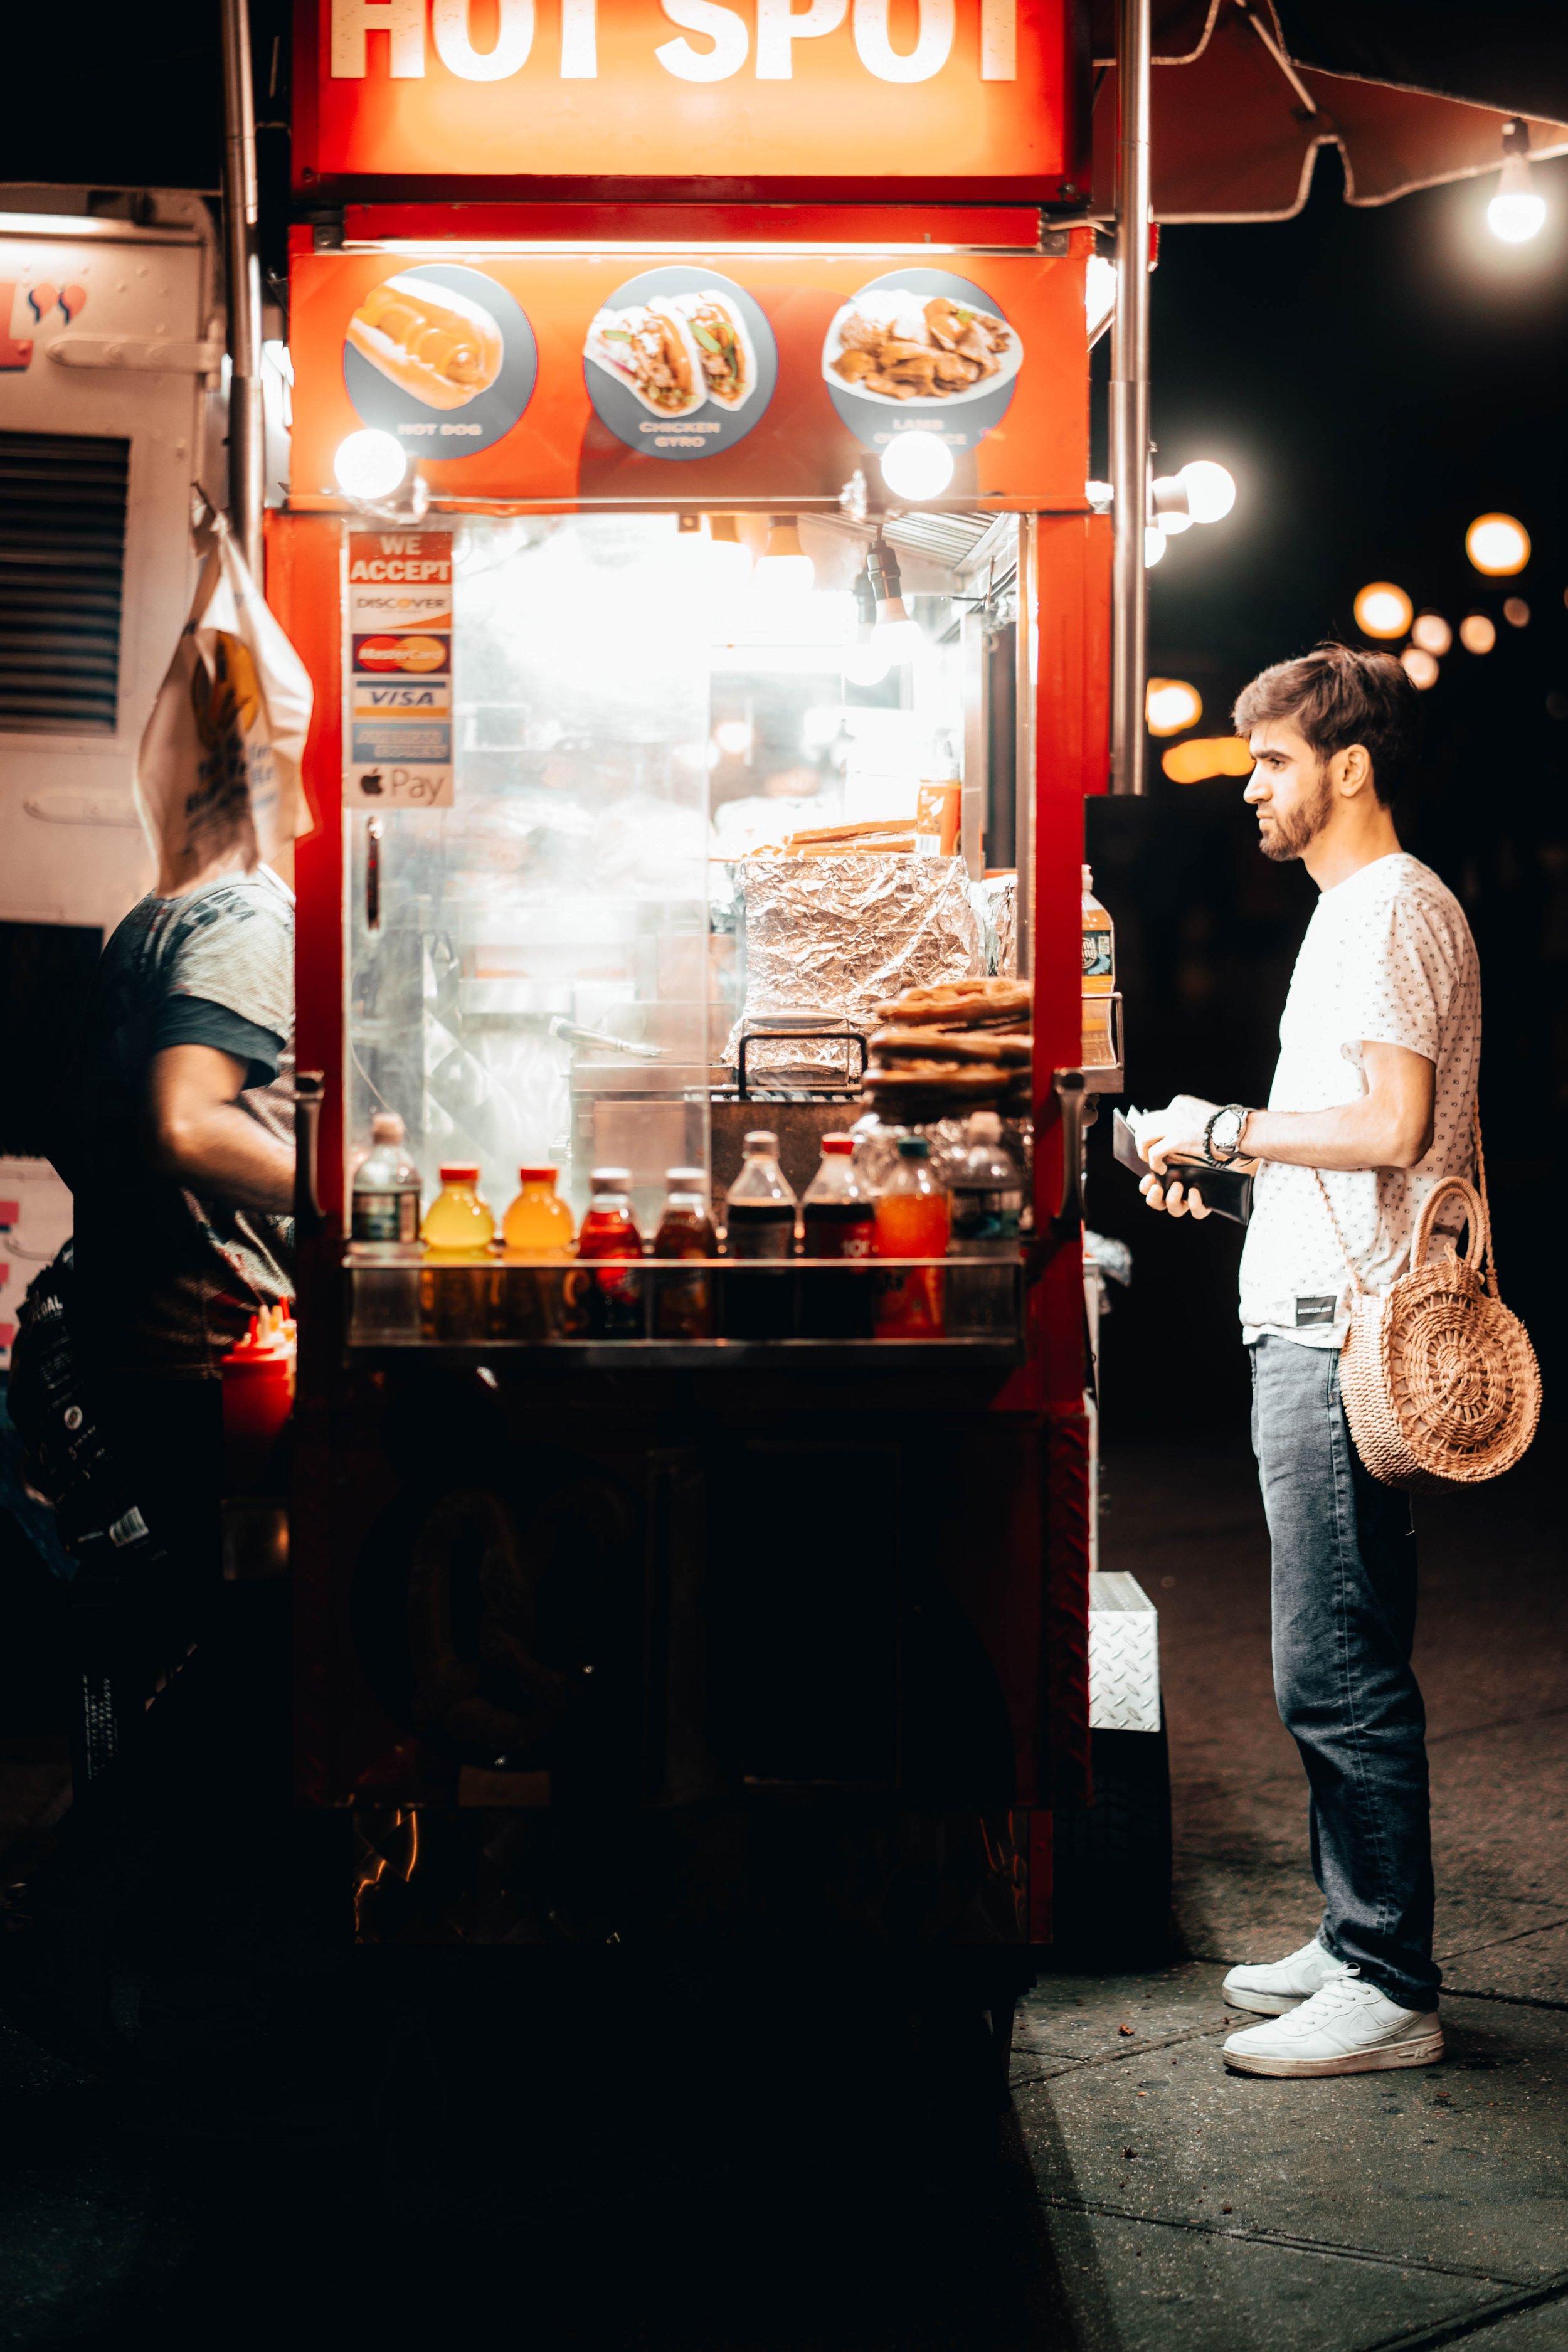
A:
(1497, 545)
(897, 636)
(1154, 547)
(866, 665)
(370, 465)
(917, 466)
(1431, 632)
(729, 557)
(1382, 610)
(1421, 667)
(1169, 495)
(1516, 212)
(1211, 490)
(785, 567)
(1170, 704)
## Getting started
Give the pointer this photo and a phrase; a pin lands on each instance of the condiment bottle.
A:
(258, 1398)
(610, 1231)
(683, 1303)
(914, 1219)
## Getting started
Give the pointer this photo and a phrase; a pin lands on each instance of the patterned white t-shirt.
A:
(1388, 959)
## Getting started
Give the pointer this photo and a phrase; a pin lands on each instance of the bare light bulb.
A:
(370, 465)
(1154, 547)
(1211, 490)
(917, 466)
(1516, 212)
(785, 568)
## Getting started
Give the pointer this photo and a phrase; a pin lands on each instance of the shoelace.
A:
(1326, 2003)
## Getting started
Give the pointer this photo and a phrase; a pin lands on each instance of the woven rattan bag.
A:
(1439, 1382)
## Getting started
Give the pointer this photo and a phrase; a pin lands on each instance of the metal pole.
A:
(246, 441)
(1129, 397)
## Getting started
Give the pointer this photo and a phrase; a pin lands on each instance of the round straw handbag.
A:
(1439, 1382)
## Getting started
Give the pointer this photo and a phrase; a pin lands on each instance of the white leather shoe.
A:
(1346, 2028)
(1274, 1985)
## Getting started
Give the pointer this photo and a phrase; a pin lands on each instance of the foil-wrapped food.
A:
(838, 936)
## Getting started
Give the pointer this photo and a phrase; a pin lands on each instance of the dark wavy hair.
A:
(1337, 696)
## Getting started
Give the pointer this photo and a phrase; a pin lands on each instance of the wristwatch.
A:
(1222, 1135)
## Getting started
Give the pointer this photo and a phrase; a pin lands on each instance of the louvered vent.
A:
(62, 568)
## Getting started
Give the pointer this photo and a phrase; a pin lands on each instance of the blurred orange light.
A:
(1207, 755)
(1497, 545)
(1431, 633)
(1170, 704)
(1382, 610)
(1477, 633)
(1421, 667)
(1516, 613)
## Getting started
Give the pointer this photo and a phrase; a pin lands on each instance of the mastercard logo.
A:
(401, 653)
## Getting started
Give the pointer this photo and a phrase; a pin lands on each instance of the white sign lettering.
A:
(449, 24)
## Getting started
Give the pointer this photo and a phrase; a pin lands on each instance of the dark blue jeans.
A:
(1345, 1617)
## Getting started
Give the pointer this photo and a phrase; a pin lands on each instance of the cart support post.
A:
(247, 444)
(1130, 397)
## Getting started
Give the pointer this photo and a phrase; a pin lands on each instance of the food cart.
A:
(774, 1623)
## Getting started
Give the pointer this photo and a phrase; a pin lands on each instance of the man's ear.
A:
(1351, 769)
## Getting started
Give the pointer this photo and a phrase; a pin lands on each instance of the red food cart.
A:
(759, 1625)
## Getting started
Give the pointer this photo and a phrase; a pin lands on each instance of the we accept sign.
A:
(942, 99)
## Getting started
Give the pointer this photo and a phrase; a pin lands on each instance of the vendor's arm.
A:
(1388, 1127)
(199, 1135)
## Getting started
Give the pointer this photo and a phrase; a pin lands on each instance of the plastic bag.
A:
(218, 769)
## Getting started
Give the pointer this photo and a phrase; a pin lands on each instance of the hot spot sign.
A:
(967, 100)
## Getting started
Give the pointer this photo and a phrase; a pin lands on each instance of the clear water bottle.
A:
(384, 1220)
(987, 1207)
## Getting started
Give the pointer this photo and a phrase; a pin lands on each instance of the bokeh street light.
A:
(1202, 756)
(1170, 704)
(1516, 613)
(1477, 633)
(1382, 610)
(1431, 632)
(1421, 667)
(1497, 545)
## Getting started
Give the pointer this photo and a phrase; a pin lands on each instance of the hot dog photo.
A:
(437, 345)
(443, 357)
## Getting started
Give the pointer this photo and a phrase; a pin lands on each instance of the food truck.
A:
(689, 540)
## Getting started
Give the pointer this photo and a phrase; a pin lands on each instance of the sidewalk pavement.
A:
(1194, 2211)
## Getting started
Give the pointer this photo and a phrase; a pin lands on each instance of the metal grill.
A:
(62, 567)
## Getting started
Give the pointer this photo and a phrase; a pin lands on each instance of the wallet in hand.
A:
(1227, 1190)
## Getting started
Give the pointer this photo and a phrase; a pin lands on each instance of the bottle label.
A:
(386, 1216)
(1097, 955)
(986, 1219)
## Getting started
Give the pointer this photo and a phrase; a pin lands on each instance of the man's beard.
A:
(1293, 836)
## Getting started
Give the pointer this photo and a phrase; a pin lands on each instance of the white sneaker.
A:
(1274, 1985)
(1347, 2028)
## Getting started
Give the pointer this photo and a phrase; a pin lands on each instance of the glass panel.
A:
(536, 989)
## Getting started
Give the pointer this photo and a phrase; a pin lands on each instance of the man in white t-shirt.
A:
(1372, 1101)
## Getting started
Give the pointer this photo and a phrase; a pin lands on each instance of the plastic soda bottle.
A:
(454, 1281)
(914, 1219)
(987, 1209)
(384, 1209)
(530, 1301)
(1098, 1048)
(610, 1231)
(838, 1217)
(683, 1303)
(538, 1223)
(759, 1223)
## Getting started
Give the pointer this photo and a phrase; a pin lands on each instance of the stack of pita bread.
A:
(963, 1045)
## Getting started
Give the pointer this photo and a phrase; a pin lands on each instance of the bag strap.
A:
(1478, 1256)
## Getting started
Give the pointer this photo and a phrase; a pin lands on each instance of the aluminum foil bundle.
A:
(837, 935)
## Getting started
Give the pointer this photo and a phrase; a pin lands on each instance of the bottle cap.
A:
(839, 1145)
(913, 1146)
(1089, 877)
(537, 1175)
(466, 1172)
(609, 1180)
(762, 1142)
(686, 1179)
(387, 1127)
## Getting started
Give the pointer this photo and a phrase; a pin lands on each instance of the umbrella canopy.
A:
(1413, 93)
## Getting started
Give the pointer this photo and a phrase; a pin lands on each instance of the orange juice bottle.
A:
(454, 1281)
(538, 1223)
(914, 1219)
(1098, 1048)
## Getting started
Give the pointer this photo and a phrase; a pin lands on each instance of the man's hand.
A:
(1179, 1128)
(199, 1135)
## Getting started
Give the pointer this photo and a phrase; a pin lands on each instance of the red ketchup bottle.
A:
(257, 1399)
